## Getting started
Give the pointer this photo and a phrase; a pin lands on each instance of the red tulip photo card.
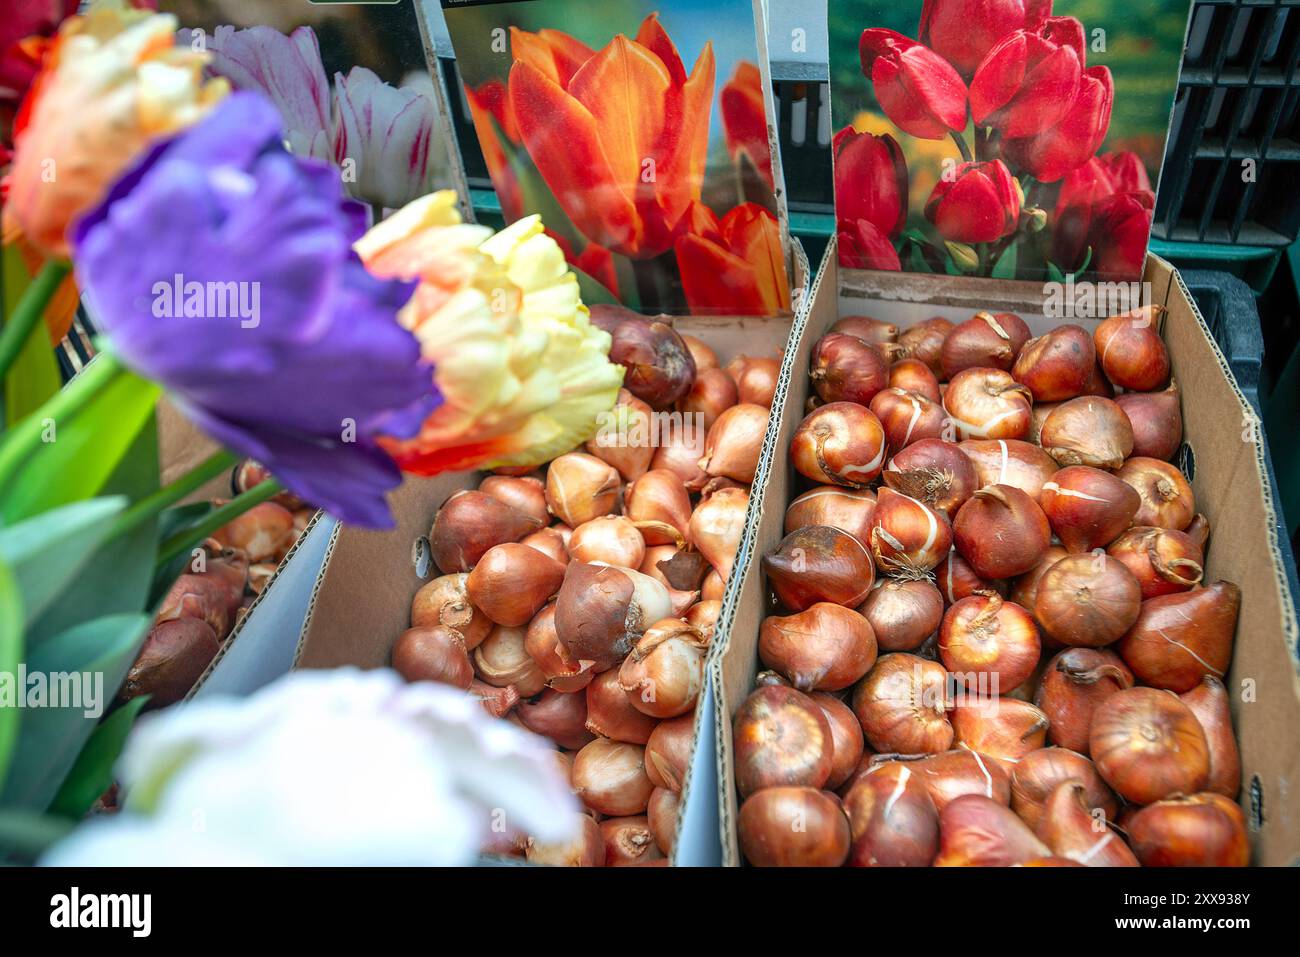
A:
(1010, 139)
(639, 130)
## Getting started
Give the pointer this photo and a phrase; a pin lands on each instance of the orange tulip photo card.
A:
(641, 132)
(1011, 139)
(351, 81)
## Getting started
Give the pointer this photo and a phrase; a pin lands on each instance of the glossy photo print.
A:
(639, 131)
(1012, 139)
(351, 82)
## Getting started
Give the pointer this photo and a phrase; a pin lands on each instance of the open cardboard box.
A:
(362, 600)
(1222, 459)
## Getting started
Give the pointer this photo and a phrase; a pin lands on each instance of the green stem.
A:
(168, 495)
(27, 315)
(25, 437)
(187, 538)
(961, 145)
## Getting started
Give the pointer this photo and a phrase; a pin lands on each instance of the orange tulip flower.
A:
(735, 267)
(619, 136)
(744, 118)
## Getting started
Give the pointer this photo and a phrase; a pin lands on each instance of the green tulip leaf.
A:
(98, 654)
(77, 457)
(1087, 261)
(92, 774)
(1005, 267)
(34, 376)
(917, 261)
(24, 836)
(11, 652)
(1054, 273)
(47, 552)
(592, 290)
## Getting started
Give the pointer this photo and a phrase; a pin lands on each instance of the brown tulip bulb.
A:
(1073, 684)
(987, 404)
(503, 660)
(715, 530)
(1039, 773)
(903, 614)
(580, 487)
(625, 436)
(755, 378)
(824, 648)
(662, 818)
(523, 493)
(1001, 532)
(914, 375)
(957, 580)
(712, 394)
(705, 357)
(841, 443)
(1009, 462)
(847, 369)
(669, 750)
(935, 472)
(433, 653)
(819, 563)
(952, 774)
(659, 366)
(908, 417)
(976, 831)
(1058, 365)
(1209, 702)
(1157, 421)
(611, 713)
(1130, 350)
(1163, 560)
(1148, 745)
(781, 737)
(173, 657)
(557, 715)
(628, 841)
(908, 538)
(1073, 829)
(601, 611)
(924, 341)
(846, 738)
(1024, 590)
(793, 827)
(609, 777)
(610, 540)
(664, 671)
(848, 509)
(660, 506)
(892, 821)
(679, 451)
(1001, 729)
(587, 849)
(734, 442)
(984, 638)
(866, 328)
(903, 706)
(511, 582)
(988, 340)
(1179, 639)
(1087, 600)
(1197, 830)
(562, 671)
(1086, 507)
(1166, 497)
(1088, 430)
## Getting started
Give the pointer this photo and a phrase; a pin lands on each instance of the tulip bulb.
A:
(628, 841)
(557, 715)
(953, 774)
(502, 659)
(903, 705)
(1010, 462)
(892, 821)
(523, 493)
(1087, 600)
(1197, 830)
(664, 670)
(660, 369)
(259, 532)
(848, 509)
(735, 441)
(511, 582)
(611, 713)
(924, 342)
(585, 850)
(903, 614)
(580, 487)
(986, 340)
(1148, 745)
(1088, 430)
(469, 523)
(847, 743)
(1209, 702)
(913, 375)
(840, 443)
(819, 563)
(1166, 497)
(562, 671)
(908, 417)
(712, 394)
(1086, 507)
(173, 657)
(908, 538)
(1001, 532)
(716, 527)
(433, 653)
(866, 328)
(985, 636)
(1058, 365)
(1001, 729)
(703, 617)
(625, 437)
(679, 452)
(976, 831)
(755, 379)
(781, 737)
(793, 827)
(935, 472)
(1039, 773)
(1073, 684)
(551, 542)
(1179, 639)
(608, 540)
(847, 369)
(987, 404)
(824, 648)
(609, 777)
(957, 580)
(662, 818)
(1131, 352)
(1157, 422)
(1074, 830)
(1163, 560)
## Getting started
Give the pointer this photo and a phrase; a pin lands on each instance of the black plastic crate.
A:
(1233, 153)
(803, 125)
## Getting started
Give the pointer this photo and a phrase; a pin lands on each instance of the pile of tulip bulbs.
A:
(993, 642)
(205, 603)
(579, 602)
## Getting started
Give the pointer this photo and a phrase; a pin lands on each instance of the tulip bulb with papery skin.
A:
(704, 356)
(612, 714)
(987, 340)
(703, 617)
(903, 614)
(580, 487)
(848, 509)
(679, 452)
(755, 378)
(511, 582)
(847, 369)
(987, 404)
(793, 827)
(908, 417)
(712, 394)
(469, 523)
(668, 752)
(1179, 639)
(1166, 497)
(259, 531)
(677, 568)
(913, 375)
(625, 436)
(1001, 532)
(557, 715)
(1088, 430)
(660, 506)
(1073, 684)
(841, 443)
(662, 816)
(1011, 462)
(976, 831)
(1086, 507)
(734, 442)
(1024, 590)
(1073, 829)
(903, 705)
(847, 743)
(197, 596)
(892, 821)
(1157, 422)
(552, 542)
(585, 850)
(866, 328)
(1003, 729)
(960, 771)
(601, 611)
(924, 342)
(523, 493)
(1131, 352)
(714, 587)
(173, 657)
(1058, 365)
(1147, 745)
(716, 527)
(497, 702)
(1163, 560)
(825, 648)
(562, 671)
(608, 540)
(1197, 830)
(1087, 600)
(660, 369)
(908, 538)
(503, 660)
(1039, 773)
(781, 737)
(609, 777)
(957, 580)
(664, 670)
(935, 472)
(1209, 702)
(985, 638)
(628, 841)
(433, 653)
(819, 563)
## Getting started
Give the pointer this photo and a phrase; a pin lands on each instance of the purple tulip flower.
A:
(221, 266)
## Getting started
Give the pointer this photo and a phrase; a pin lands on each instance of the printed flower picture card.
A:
(639, 130)
(1013, 139)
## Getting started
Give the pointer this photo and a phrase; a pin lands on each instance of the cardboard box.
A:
(1223, 461)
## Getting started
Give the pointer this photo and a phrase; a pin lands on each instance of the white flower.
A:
(386, 133)
(326, 768)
